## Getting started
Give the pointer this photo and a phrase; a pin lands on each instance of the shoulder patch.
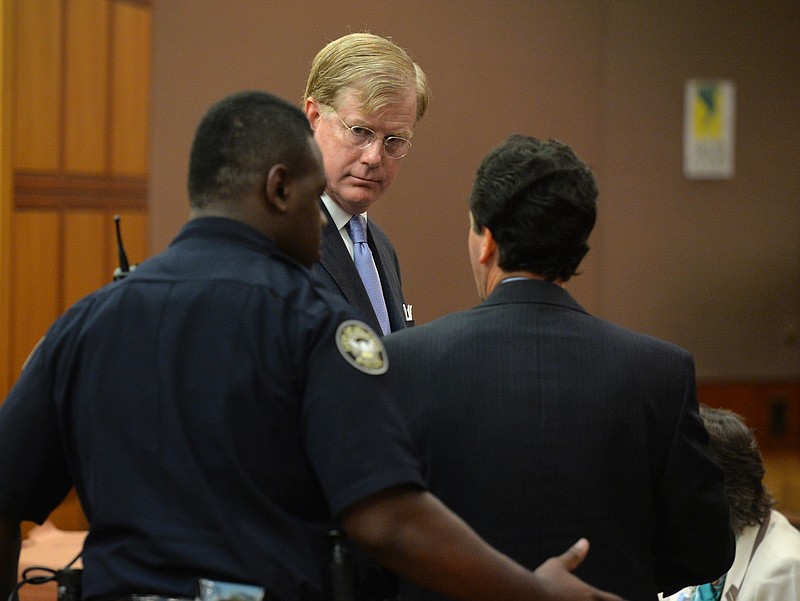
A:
(361, 347)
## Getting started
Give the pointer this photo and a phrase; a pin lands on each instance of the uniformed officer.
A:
(203, 406)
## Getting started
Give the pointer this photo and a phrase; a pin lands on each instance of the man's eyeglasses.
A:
(395, 147)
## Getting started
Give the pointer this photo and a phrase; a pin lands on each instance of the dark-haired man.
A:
(536, 421)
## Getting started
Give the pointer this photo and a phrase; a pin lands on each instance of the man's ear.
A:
(488, 249)
(312, 112)
(277, 188)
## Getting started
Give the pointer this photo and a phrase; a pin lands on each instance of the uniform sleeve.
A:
(33, 475)
(354, 434)
(693, 540)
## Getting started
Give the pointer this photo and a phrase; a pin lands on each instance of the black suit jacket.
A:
(540, 424)
(338, 273)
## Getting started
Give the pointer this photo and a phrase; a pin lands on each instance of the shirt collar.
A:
(338, 214)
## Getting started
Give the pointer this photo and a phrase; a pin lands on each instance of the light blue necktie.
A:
(365, 264)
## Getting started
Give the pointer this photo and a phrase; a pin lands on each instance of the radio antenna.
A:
(124, 267)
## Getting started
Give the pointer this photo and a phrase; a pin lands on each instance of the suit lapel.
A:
(390, 278)
(336, 262)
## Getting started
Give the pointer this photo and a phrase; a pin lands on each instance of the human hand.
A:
(557, 583)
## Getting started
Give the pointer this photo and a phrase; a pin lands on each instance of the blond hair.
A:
(374, 68)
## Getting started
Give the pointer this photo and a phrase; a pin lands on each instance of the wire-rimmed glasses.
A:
(395, 147)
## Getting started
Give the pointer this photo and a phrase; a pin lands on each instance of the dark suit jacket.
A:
(540, 424)
(338, 273)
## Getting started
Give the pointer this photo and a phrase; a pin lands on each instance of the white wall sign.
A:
(708, 129)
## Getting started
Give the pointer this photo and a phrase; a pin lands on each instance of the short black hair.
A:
(540, 202)
(238, 141)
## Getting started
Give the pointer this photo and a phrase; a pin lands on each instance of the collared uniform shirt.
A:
(202, 407)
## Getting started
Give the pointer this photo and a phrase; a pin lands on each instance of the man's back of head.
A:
(237, 142)
(539, 201)
(254, 160)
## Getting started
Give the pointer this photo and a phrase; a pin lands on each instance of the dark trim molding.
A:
(55, 191)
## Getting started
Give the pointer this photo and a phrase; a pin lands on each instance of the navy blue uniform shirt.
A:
(203, 409)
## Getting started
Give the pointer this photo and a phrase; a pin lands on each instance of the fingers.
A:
(574, 556)
(558, 584)
(602, 596)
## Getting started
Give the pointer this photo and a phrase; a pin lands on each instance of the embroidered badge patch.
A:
(361, 347)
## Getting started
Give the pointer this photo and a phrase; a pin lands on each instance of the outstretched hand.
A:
(557, 583)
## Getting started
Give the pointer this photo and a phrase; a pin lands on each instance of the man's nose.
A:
(372, 155)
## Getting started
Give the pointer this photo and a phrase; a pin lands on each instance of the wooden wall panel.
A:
(79, 85)
(6, 189)
(37, 85)
(85, 254)
(130, 126)
(782, 478)
(86, 87)
(77, 126)
(69, 515)
(772, 409)
(36, 274)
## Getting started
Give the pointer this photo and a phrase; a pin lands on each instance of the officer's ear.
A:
(277, 188)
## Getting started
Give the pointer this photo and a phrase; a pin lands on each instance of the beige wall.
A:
(712, 266)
